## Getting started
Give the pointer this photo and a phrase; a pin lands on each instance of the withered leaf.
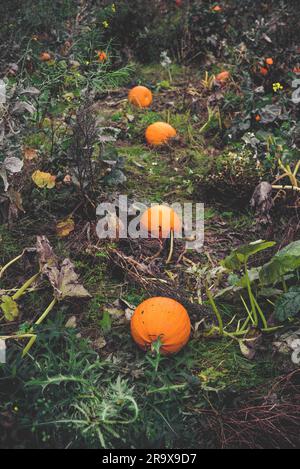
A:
(30, 153)
(250, 344)
(65, 227)
(63, 278)
(43, 180)
(21, 106)
(68, 285)
(9, 308)
(13, 164)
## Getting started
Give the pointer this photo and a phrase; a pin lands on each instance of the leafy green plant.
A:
(288, 305)
(285, 261)
(275, 271)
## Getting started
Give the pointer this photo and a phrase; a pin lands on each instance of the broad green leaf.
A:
(9, 308)
(240, 256)
(288, 304)
(285, 261)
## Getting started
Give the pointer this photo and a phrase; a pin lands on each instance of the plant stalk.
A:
(39, 321)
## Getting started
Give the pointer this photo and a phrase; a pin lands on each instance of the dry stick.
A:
(171, 247)
(291, 188)
(16, 337)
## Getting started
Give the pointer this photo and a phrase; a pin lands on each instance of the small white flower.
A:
(165, 59)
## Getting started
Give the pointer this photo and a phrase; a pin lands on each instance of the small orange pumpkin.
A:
(160, 220)
(102, 56)
(162, 318)
(45, 57)
(264, 71)
(223, 76)
(269, 61)
(159, 133)
(140, 96)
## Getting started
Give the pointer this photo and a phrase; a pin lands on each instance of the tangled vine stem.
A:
(39, 321)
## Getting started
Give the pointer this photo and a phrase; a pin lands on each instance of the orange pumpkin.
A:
(140, 96)
(159, 133)
(264, 71)
(45, 57)
(223, 76)
(160, 220)
(161, 318)
(102, 56)
(269, 61)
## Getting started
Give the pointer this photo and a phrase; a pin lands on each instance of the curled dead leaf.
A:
(65, 227)
(62, 277)
(30, 153)
(43, 180)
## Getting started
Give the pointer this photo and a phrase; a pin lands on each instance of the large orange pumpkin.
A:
(160, 220)
(161, 318)
(140, 96)
(159, 133)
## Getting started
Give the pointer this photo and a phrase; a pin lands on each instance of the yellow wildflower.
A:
(277, 87)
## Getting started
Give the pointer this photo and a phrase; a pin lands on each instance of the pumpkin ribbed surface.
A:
(159, 133)
(140, 96)
(162, 318)
(160, 220)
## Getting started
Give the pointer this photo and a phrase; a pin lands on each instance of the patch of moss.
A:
(220, 365)
(149, 173)
(9, 245)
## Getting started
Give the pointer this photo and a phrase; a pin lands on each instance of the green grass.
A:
(154, 73)
(64, 394)
(151, 169)
(9, 247)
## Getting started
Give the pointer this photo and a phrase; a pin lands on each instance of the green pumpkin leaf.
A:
(9, 308)
(240, 256)
(288, 304)
(285, 261)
